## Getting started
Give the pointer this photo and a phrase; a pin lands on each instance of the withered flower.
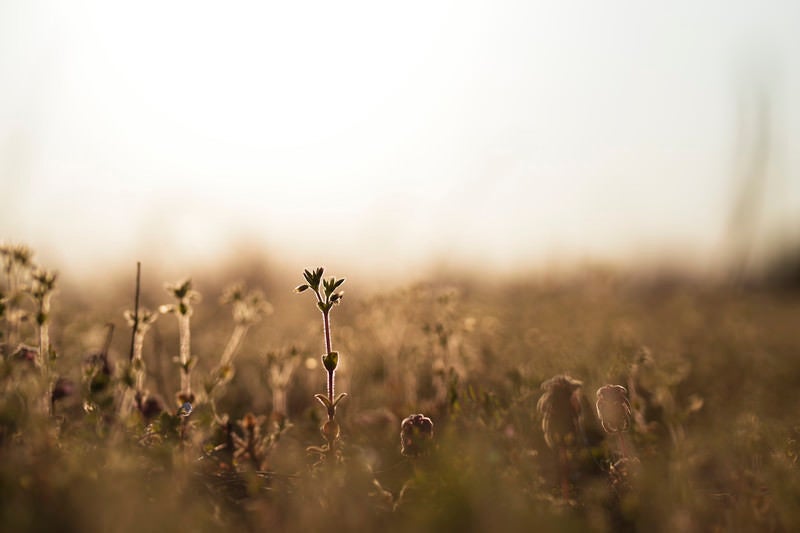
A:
(560, 409)
(613, 408)
(416, 435)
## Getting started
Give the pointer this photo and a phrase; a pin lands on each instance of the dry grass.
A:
(711, 372)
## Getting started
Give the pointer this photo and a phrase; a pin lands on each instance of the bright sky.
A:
(502, 133)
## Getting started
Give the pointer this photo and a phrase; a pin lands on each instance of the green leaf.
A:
(301, 288)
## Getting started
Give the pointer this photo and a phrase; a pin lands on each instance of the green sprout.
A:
(327, 297)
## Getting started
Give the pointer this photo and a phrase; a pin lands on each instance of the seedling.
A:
(327, 297)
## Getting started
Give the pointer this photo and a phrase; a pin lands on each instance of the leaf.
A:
(339, 398)
(301, 288)
(323, 400)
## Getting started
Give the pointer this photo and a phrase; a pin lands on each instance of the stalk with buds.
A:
(248, 308)
(140, 321)
(327, 297)
(42, 288)
(185, 296)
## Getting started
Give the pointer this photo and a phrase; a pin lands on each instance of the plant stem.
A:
(8, 299)
(233, 344)
(44, 343)
(326, 324)
(136, 309)
(622, 446)
(185, 354)
(137, 355)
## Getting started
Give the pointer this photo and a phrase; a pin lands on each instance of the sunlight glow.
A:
(493, 132)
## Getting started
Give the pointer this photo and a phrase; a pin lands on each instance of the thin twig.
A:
(107, 342)
(136, 308)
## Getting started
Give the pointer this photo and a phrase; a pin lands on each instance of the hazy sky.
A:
(504, 133)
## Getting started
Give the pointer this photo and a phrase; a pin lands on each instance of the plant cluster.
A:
(460, 414)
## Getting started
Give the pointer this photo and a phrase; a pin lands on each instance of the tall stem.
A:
(622, 445)
(44, 332)
(185, 353)
(136, 310)
(138, 344)
(233, 344)
(326, 324)
(44, 344)
(9, 299)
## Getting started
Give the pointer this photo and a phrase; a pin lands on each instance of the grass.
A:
(712, 441)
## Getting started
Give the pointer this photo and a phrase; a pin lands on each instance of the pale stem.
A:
(138, 343)
(185, 352)
(44, 332)
(234, 343)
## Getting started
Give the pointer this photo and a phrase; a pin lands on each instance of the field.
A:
(206, 420)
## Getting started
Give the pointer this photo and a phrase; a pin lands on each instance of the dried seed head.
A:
(560, 409)
(416, 435)
(613, 408)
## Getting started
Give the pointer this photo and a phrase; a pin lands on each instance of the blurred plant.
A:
(659, 410)
(97, 376)
(252, 446)
(42, 288)
(182, 309)
(562, 413)
(445, 331)
(614, 412)
(135, 376)
(416, 441)
(17, 264)
(416, 435)
(325, 302)
(255, 445)
(280, 367)
(248, 308)
(63, 388)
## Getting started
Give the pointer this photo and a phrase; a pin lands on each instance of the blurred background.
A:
(385, 138)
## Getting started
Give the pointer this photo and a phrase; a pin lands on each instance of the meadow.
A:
(213, 402)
